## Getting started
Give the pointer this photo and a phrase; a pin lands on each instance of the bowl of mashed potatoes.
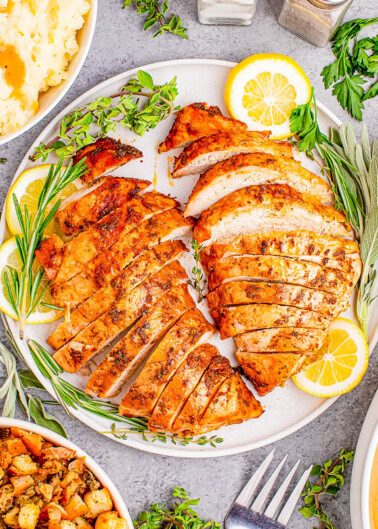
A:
(43, 45)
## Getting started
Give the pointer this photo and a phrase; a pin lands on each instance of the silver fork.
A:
(241, 515)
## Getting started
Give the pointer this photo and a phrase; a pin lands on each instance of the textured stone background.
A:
(119, 44)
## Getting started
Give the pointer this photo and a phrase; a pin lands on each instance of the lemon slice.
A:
(343, 362)
(263, 90)
(27, 189)
(9, 257)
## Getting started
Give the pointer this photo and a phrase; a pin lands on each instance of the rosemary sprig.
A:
(180, 516)
(330, 480)
(156, 14)
(23, 287)
(72, 398)
(196, 282)
(352, 170)
(125, 108)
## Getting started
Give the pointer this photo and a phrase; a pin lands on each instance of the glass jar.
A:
(314, 20)
(234, 12)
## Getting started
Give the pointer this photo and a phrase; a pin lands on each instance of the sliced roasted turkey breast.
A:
(195, 121)
(254, 169)
(243, 318)
(191, 330)
(91, 203)
(209, 150)
(122, 361)
(282, 339)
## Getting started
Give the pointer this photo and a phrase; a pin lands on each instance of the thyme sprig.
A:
(352, 170)
(156, 15)
(330, 480)
(139, 106)
(198, 282)
(23, 287)
(180, 516)
(72, 398)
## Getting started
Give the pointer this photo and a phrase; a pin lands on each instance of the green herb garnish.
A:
(352, 170)
(139, 106)
(156, 15)
(24, 287)
(3, 160)
(354, 65)
(330, 480)
(180, 516)
(196, 282)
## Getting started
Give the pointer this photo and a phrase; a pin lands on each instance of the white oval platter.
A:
(286, 409)
(362, 467)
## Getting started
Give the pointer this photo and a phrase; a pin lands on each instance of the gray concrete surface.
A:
(120, 44)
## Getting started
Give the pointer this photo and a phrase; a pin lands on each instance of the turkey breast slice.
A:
(189, 332)
(209, 150)
(217, 372)
(282, 339)
(274, 207)
(247, 292)
(91, 203)
(266, 371)
(233, 403)
(107, 327)
(108, 264)
(180, 387)
(145, 266)
(122, 361)
(281, 270)
(331, 252)
(236, 320)
(253, 169)
(195, 121)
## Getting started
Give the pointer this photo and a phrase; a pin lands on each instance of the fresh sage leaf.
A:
(43, 418)
(29, 380)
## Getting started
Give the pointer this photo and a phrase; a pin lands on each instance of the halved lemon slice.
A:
(342, 364)
(263, 89)
(27, 189)
(9, 257)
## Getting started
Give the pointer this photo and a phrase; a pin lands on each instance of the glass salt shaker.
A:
(227, 12)
(314, 20)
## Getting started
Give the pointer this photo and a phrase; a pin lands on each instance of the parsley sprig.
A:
(356, 62)
(156, 15)
(139, 106)
(180, 516)
(329, 482)
(198, 282)
(352, 170)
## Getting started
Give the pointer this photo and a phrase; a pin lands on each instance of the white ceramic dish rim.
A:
(368, 430)
(65, 85)
(366, 478)
(89, 462)
(136, 443)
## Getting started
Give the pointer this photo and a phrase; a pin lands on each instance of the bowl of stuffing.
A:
(48, 482)
(39, 64)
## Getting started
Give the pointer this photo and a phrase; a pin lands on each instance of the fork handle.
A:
(245, 518)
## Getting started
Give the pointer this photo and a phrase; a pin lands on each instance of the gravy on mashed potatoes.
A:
(37, 41)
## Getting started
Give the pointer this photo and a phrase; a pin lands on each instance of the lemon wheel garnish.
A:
(342, 363)
(263, 90)
(9, 258)
(27, 189)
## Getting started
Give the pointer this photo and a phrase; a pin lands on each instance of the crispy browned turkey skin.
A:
(195, 121)
(105, 155)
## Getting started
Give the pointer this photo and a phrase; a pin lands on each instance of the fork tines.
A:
(254, 517)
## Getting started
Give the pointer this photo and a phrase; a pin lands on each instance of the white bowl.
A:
(367, 473)
(58, 440)
(48, 100)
